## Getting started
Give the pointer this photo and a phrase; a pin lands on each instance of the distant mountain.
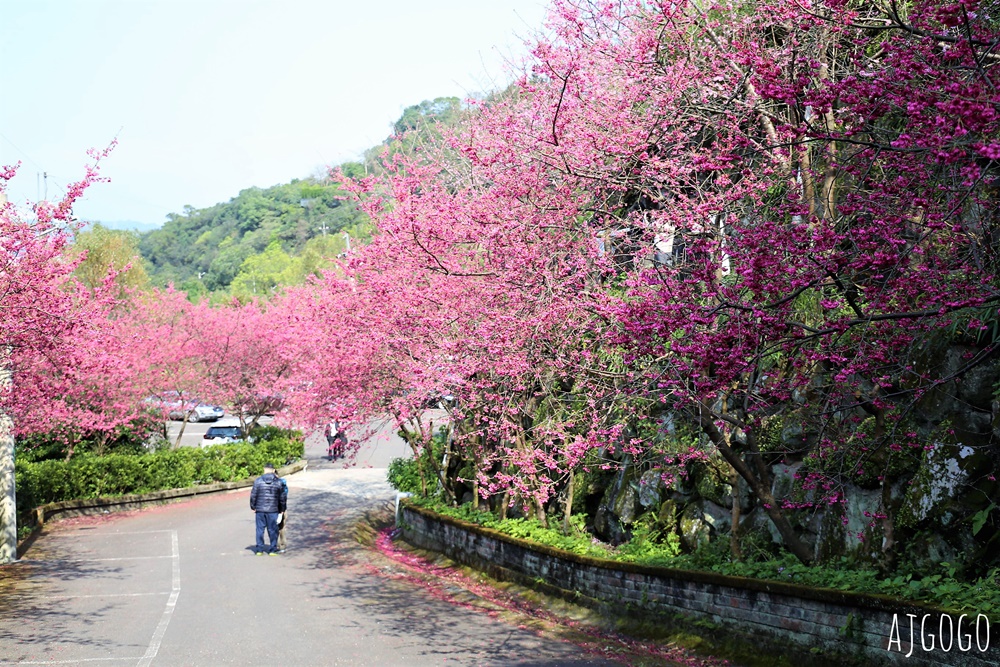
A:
(130, 225)
(210, 245)
(258, 233)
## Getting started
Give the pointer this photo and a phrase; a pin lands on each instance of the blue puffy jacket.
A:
(269, 494)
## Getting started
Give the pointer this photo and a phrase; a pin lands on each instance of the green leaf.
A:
(979, 518)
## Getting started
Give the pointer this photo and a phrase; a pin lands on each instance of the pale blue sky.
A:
(208, 97)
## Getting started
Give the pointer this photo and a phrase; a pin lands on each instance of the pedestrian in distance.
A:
(267, 500)
(336, 440)
(331, 437)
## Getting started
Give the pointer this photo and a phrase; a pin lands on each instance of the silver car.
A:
(202, 412)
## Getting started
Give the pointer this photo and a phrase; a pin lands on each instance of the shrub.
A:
(404, 475)
(90, 476)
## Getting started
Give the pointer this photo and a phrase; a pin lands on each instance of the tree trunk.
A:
(8, 504)
(888, 528)
(540, 512)
(476, 449)
(449, 493)
(568, 512)
(758, 487)
(177, 443)
(412, 439)
(735, 551)
(888, 506)
(101, 447)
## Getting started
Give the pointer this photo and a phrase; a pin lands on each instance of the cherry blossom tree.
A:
(36, 311)
(247, 352)
(163, 335)
(88, 390)
(774, 209)
(846, 186)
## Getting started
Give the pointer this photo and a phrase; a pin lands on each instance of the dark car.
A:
(221, 434)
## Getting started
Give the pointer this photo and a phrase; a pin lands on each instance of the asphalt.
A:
(180, 585)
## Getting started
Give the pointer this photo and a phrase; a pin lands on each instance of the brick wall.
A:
(818, 627)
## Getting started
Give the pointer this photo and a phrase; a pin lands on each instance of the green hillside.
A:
(265, 237)
(209, 246)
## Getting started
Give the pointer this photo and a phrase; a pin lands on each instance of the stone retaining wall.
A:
(815, 626)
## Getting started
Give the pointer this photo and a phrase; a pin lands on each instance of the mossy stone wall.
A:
(816, 626)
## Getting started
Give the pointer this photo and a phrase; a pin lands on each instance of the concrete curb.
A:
(106, 504)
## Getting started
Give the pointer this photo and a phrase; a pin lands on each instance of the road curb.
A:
(132, 501)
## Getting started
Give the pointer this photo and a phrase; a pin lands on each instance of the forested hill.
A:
(205, 249)
(265, 237)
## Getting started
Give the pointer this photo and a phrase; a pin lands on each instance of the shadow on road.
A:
(44, 619)
(405, 614)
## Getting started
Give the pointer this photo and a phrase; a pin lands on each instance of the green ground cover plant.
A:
(643, 548)
(92, 476)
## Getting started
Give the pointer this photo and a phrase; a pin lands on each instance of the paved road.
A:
(179, 585)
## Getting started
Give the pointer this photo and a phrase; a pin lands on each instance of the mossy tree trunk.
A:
(8, 504)
(758, 478)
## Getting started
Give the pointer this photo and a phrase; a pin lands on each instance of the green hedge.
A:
(89, 476)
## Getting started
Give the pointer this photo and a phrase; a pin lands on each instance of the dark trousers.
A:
(267, 520)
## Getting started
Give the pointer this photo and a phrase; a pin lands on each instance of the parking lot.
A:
(373, 445)
(195, 431)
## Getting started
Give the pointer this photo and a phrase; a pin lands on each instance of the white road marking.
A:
(168, 612)
(96, 595)
(97, 560)
(65, 662)
(105, 560)
(119, 532)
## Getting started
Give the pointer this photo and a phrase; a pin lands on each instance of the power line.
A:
(25, 155)
(28, 158)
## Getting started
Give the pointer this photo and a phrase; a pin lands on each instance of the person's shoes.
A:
(273, 553)
(281, 551)
(260, 553)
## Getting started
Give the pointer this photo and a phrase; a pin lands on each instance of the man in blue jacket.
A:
(267, 499)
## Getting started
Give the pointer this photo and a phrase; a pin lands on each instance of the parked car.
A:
(166, 404)
(218, 411)
(201, 412)
(176, 405)
(221, 434)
